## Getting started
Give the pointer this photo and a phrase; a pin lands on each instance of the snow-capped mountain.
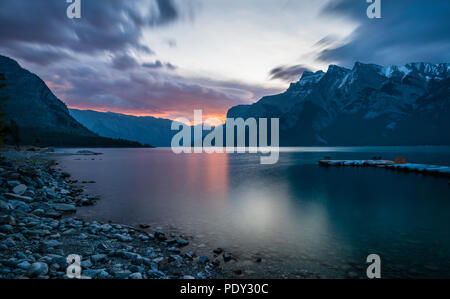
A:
(366, 105)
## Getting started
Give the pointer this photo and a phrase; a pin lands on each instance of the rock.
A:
(91, 273)
(70, 231)
(13, 183)
(38, 269)
(227, 257)
(7, 219)
(143, 237)
(189, 255)
(24, 265)
(104, 275)
(182, 242)
(9, 243)
(218, 250)
(155, 274)
(215, 262)
(18, 197)
(19, 205)
(87, 153)
(160, 235)
(106, 227)
(20, 189)
(6, 228)
(175, 258)
(66, 208)
(51, 243)
(122, 274)
(171, 241)
(86, 264)
(134, 269)
(144, 226)
(203, 259)
(98, 258)
(174, 250)
(5, 206)
(136, 275)
(188, 277)
(86, 202)
(123, 238)
(102, 246)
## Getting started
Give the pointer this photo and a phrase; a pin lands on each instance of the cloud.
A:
(146, 92)
(106, 25)
(288, 73)
(327, 41)
(408, 31)
(124, 62)
(40, 55)
(158, 65)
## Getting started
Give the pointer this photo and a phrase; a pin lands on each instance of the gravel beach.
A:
(38, 235)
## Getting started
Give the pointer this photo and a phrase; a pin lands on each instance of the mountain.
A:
(145, 129)
(366, 105)
(41, 118)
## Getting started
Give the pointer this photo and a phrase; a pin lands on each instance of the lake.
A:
(302, 220)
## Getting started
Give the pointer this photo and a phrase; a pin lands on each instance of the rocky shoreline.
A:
(38, 233)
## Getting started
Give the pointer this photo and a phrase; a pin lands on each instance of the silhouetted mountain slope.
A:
(150, 130)
(42, 118)
(366, 105)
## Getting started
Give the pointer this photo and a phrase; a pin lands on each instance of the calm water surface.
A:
(300, 218)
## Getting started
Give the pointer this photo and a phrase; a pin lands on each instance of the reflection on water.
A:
(294, 214)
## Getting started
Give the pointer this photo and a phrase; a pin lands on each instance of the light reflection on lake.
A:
(294, 214)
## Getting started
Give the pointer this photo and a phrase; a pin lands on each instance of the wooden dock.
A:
(443, 171)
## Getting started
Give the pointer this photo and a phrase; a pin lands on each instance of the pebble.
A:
(227, 257)
(42, 240)
(98, 258)
(203, 259)
(136, 275)
(20, 189)
(38, 269)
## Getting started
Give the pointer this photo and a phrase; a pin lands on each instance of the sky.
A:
(167, 58)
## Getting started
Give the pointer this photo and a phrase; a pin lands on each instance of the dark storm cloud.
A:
(147, 91)
(158, 65)
(41, 56)
(124, 62)
(288, 73)
(139, 93)
(153, 65)
(409, 31)
(106, 25)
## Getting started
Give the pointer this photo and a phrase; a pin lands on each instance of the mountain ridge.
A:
(143, 129)
(43, 119)
(366, 105)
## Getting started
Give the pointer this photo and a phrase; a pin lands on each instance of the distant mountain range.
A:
(41, 118)
(146, 129)
(366, 105)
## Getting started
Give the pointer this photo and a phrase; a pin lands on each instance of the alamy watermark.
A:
(241, 136)
(74, 9)
(374, 269)
(374, 9)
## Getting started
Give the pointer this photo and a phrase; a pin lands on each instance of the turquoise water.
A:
(301, 219)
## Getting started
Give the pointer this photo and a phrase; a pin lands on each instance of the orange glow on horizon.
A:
(213, 119)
